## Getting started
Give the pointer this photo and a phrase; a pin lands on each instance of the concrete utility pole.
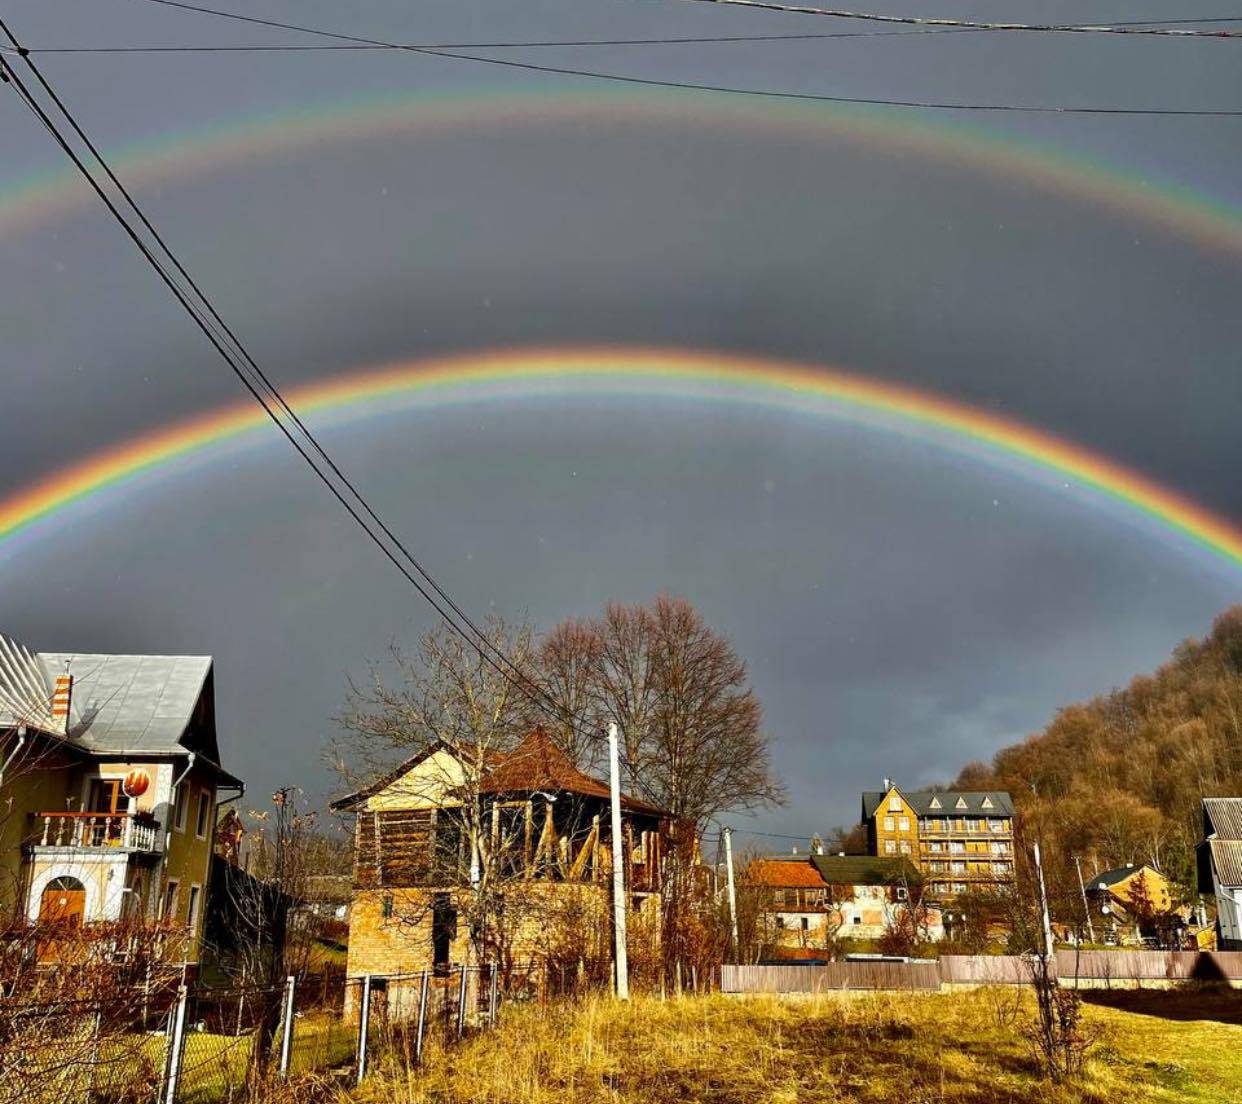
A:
(1049, 950)
(620, 964)
(1086, 908)
(727, 833)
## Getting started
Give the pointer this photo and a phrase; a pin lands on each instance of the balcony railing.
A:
(122, 831)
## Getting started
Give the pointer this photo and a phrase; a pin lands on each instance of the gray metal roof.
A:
(864, 869)
(1107, 878)
(1226, 863)
(130, 703)
(951, 802)
(25, 691)
(1222, 817)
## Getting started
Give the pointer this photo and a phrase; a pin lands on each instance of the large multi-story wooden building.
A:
(958, 840)
(109, 780)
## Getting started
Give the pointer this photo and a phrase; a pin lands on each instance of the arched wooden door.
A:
(63, 903)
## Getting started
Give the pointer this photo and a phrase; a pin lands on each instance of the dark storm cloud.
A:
(901, 612)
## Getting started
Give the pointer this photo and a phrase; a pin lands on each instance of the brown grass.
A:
(962, 1048)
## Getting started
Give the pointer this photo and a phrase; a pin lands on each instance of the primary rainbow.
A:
(507, 375)
(1212, 224)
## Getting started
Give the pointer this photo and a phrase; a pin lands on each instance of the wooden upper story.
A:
(526, 813)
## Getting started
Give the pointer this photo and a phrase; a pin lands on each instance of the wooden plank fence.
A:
(1088, 966)
(832, 975)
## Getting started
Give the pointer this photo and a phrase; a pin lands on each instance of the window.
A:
(996, 825)
(805, 924)
(905, 847)
(168, 911)
(888, 824)
(780, 921)
(191, 912)
(894, 804)
(960, 804)
(935, 846)
(956, 847)
(902, 893)
(857, 919)
(987, 803)
(181, 801)
(959, 887)
(959, 868)
(903, 824)
(935, 803)
(386, 906)
(203, 818)
(890, 847)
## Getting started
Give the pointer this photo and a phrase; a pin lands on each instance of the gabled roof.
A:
(975, 802)
(1226, 863)
(785, 873)
(1222, 817)
(120, 703)
(1108, 878)
(536, 764)
(864, 869)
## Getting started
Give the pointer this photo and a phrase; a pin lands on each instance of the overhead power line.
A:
(261, 388)
(523, 44)
(1164, 31)
(651, 82)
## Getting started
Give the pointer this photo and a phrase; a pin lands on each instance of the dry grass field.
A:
(962, 1048)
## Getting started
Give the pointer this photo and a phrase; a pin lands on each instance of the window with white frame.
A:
(202, 819)
(192, 906)
(888, 823)
(905, 847)
(181, 802)
(903, 824)
(168, 907)
(894, 804)
(890, 847)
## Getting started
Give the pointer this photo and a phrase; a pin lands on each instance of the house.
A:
(958, 840)
(1220, 866)
(419, 866)
(792, 900)
(110, 776)
(1135, 903)
(868, 892)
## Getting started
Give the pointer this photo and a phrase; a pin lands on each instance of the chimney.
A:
(888, 784)
(62, 696)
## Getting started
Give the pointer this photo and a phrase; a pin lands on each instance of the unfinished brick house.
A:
(428, 838)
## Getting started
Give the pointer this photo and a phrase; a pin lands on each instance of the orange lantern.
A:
(136, 783)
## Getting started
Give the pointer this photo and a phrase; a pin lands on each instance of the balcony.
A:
(97, 831)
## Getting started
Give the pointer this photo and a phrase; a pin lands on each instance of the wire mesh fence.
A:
(215, 1045)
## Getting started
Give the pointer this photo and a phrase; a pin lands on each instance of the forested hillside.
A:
(1118, 779)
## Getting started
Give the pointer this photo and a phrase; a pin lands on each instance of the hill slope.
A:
(1118, 779)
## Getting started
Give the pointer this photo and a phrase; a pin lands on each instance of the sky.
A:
(903, 607)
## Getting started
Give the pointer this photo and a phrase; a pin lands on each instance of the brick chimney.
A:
(62, 697)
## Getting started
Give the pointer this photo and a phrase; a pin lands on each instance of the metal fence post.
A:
(364, 1022)
(422, 1018)
(461, 1001)
(176, 1047)
(493, 996)
(286, 1034)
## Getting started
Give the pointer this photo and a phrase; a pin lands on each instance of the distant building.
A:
(793, 900)
(1220, 866)
(111, 777)
(1134, 903)
(958, 840)
(868, 891)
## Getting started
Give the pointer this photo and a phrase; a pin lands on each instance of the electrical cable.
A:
(616, 78)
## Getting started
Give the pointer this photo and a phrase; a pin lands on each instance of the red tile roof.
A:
(785, 874)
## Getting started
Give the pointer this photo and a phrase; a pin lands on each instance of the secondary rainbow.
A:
(509, 374)
(1211, 224)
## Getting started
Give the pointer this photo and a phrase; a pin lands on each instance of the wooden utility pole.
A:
(1086, 908)
(727, 834)
(620, 965)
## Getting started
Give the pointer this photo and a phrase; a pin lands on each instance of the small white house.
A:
(1220, 866)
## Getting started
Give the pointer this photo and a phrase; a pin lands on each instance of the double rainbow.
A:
(654, 373)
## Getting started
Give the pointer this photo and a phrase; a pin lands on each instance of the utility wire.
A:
(592, 74)
(979, 25)
(248, 372)
(245, 48)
